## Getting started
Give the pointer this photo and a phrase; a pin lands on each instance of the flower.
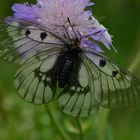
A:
(55, 13)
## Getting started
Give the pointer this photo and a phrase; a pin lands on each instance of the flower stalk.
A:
(62, 133)
(81, 133)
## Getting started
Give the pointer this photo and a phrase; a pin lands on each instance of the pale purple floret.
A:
(54, 13)
(25, 11)
(92, 44)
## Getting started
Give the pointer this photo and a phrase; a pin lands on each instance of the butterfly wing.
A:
(33, 80)
(36, 48)
(77, 98)
(22, 41)
(116, 87)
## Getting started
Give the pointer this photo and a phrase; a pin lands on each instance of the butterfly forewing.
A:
(21, 41)
(36, 31)
(115, 88)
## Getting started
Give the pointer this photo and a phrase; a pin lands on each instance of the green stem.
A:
(81, 134)
(102, 124)
(62, 133)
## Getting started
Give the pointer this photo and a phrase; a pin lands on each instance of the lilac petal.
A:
(90, 44)
(97, 34)
(25, 11)
(104, 38)
(87, 2)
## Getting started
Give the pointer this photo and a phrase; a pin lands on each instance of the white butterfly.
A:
(50, 63)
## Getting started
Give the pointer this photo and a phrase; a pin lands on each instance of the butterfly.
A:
(80, 78)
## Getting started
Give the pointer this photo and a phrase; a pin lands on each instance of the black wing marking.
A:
(33, 80)
(116, 87)
(77, 98)
(20, 41)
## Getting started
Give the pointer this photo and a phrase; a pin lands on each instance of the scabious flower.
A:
(53, 14)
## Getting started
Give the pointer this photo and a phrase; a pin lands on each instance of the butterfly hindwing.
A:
(33, 80)
(116, 87)
(21, 41)
(77, 98)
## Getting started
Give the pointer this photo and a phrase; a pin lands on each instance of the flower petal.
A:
(25, 11)
(90, 44)
(102, 36)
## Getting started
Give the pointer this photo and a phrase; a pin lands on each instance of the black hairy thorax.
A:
(67, 64)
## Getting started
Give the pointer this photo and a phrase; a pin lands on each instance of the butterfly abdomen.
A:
(65, 72)
(66, 67)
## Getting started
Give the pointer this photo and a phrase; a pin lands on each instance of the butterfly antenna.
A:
(67, 33)
(72, 28)
(91, 34)
(79, 35)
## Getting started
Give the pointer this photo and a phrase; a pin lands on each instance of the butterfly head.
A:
(76, 42)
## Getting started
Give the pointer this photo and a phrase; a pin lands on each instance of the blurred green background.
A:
(20, 120)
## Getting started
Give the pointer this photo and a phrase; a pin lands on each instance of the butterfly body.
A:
(65, 64)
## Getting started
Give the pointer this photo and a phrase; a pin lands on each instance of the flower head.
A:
(55, 13)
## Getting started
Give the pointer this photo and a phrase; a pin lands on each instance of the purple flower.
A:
(55, 13)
